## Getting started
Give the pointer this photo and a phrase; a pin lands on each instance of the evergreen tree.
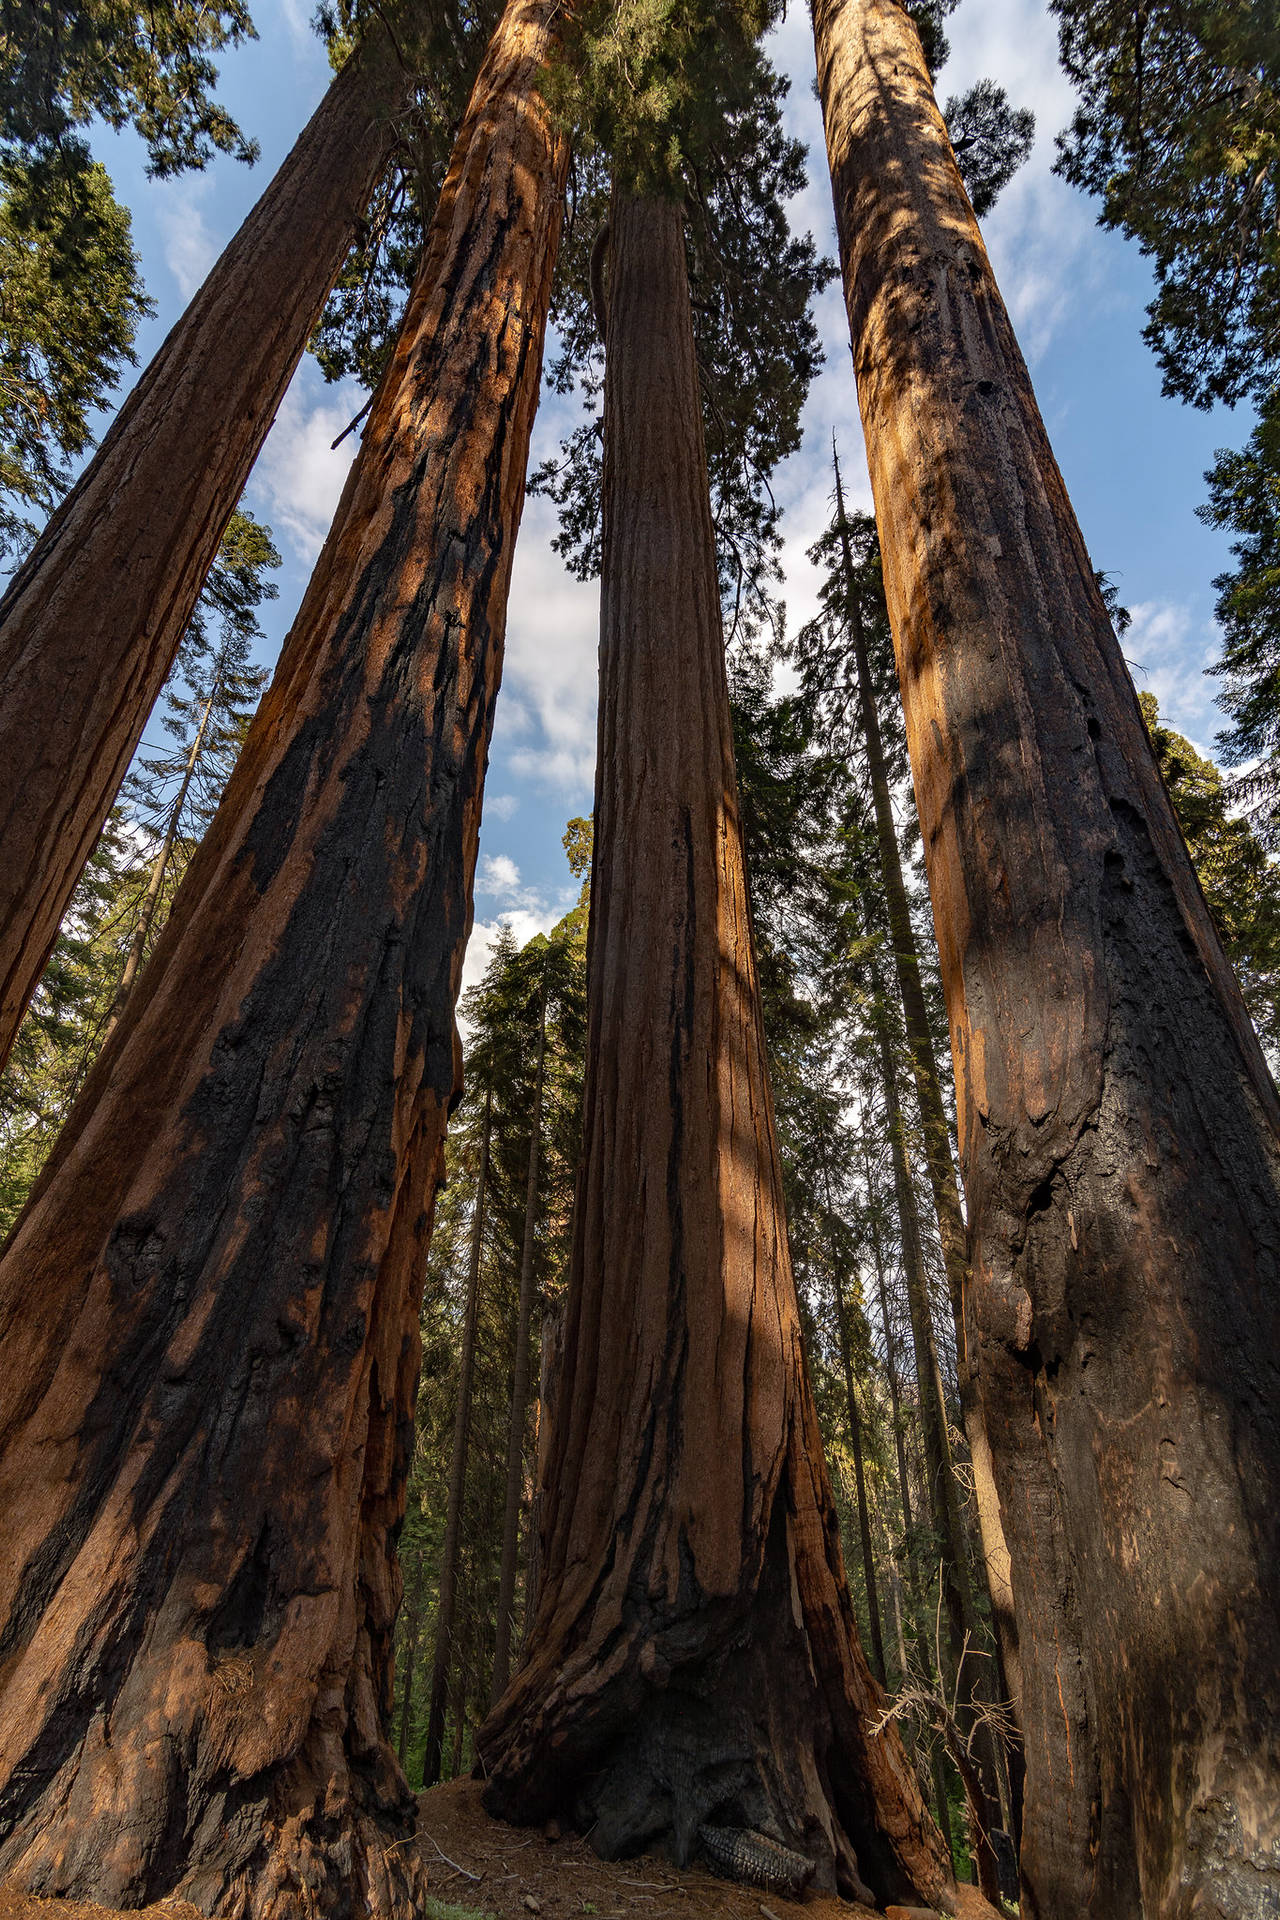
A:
(1178, 133)
(1241, 885)
(66, 327)
(123, 897)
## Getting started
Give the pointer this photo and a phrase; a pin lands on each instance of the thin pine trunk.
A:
(442, 1659)
(155, 883)
(519, 1385)
(210, 1306)
(92, 619)
(694, 1662)
(859, 1474)
(937, 1133)
(943, 1497)
(412, 1629)
(1119, 1132)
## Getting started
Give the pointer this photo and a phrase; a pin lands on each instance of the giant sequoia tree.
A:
(693, 1673)
(209, 1306)
(1118, 1125)
(103, 598)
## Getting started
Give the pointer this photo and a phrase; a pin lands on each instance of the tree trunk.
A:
(855, 1437)
(210, 1307)
(694, 1665)
(412, 1629)
(445, 1605)
(937, 1134)
(91, 622)
(860, 1481)
(519, 1387)
(1119, 1130)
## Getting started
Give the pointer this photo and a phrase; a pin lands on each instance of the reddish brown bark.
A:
(92, 620)
(209, 1309)
(1118, 1127)
(694, 1661)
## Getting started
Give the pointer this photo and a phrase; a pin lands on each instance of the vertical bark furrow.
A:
(211, 1337)
(1118, 1125)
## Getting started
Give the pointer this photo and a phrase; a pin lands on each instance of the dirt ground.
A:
(477, 1862)
(511, 1873)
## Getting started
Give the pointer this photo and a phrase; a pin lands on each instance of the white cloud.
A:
(551, 667)
(298, 22)
(1168, 651)
(498, 874)
(299, 472)
(190, 247)
(501, 806)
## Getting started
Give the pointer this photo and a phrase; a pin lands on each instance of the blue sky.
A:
(1133, 462)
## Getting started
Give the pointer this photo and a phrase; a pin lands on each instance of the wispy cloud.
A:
(1168, 650)
(189, 245)
(547, 717)
(300, 473)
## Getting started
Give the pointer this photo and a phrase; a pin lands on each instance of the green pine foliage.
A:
(70, 302)
(166, 795)
(1178, 133)
(443, 43)
(210, 696)
(64, 63)
(57, 1041)
(1241, 885)
(501, 1018)
(991, 140)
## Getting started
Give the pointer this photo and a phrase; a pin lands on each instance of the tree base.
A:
(724, 1760)
(285, 1852)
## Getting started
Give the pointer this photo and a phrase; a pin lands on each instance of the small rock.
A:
(553, 1831)
(533, 1906)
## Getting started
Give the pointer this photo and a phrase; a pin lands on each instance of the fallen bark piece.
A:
(740, 1854)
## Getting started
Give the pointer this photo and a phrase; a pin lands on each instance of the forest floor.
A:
(480, 1866)
(478, 1869)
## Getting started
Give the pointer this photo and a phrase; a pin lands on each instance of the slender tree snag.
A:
(694, 1661)
(519, 1382)
(91, 623)
(1118, 1126)
(443, 1657)
(209, 1309)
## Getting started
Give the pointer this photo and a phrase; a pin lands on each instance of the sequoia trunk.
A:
(1119, 1130)
(210, 1307)
(91, 623)
(693, 1675)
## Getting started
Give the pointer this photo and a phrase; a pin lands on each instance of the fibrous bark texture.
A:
(693, 1663)
(1118, 1126)
(91, 623)
(209, 1308)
